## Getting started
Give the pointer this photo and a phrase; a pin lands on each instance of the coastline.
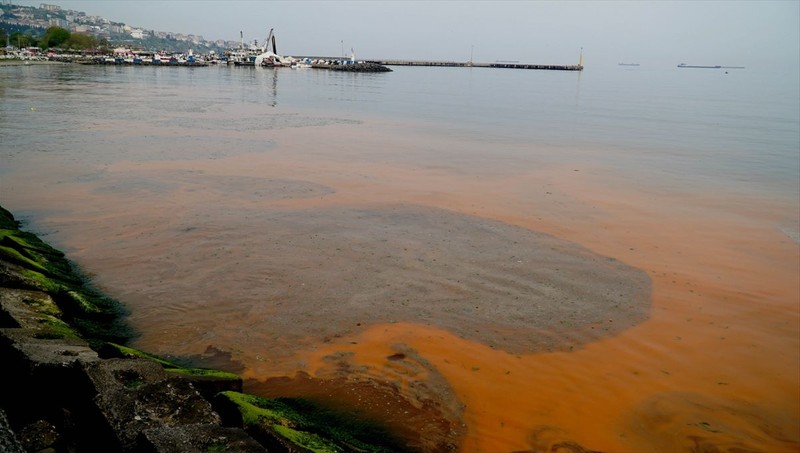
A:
(74, 388)
(13, 62)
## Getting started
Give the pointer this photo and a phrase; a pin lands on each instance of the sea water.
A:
(711, 125)
(316, 221)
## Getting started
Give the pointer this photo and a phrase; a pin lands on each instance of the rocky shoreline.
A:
(70, 384)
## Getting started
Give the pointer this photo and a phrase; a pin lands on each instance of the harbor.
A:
(332, 63)
(264, 55)
(135, 58)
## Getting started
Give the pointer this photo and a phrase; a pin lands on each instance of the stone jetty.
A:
(358, 67)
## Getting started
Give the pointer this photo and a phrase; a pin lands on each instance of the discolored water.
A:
(485, 260)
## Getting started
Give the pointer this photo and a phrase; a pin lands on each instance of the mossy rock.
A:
(27, 262)
(27, 250)
(113, 350)
(30, 279)
(96, 333)
(37, 265)
(13, 255)
(55, 328)
(84, 304)
(204, 373)
(7, 220)
(24, 240)
(41, 303)
(97, 318)
(305, 424)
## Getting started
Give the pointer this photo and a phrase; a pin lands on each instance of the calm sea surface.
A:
(617, 249)
(734, 129)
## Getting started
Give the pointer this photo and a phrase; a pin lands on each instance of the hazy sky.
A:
(739, 33)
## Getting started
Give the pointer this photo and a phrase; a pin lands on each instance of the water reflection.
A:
(254, 85)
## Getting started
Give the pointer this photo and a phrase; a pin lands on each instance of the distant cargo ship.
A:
(684, 65)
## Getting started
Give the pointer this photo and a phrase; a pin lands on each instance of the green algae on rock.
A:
(28, 263)
(109, 350)
(291, 421)
(35, 311)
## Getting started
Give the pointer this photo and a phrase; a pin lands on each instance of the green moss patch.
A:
(28, 242)
(43, 304)
(33, 264)
(309, 425)
(82, 304)
(110, 350)
(31, 279)
(114, 350)
(204, 372)
(53, 327)
(27, 250)
(309, 441)
(15, 256)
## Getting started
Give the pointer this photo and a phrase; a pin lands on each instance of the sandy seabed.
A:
(471, 303)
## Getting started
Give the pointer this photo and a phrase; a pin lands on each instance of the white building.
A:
(58, 22)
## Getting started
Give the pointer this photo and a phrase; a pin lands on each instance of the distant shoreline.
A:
(16, 62)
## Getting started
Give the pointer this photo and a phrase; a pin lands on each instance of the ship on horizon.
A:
(684, 65)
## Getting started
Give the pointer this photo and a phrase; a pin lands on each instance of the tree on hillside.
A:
(54, 37)
(79, 41)
(3, 37)
(22, 40)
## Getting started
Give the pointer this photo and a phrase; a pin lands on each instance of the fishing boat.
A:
(263, 56)
(243, 56)
(270, 58)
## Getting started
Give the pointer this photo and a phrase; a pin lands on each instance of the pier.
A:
(468, 64)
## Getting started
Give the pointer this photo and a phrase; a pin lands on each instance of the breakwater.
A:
(469, 64)
(355, 67)
(361, 66)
